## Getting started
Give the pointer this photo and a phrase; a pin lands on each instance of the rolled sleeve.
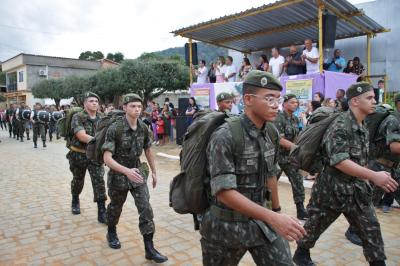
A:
(336, 143)
(76, 124)
(222, 182)
(275, 170)
(221, 170)
(109, 143)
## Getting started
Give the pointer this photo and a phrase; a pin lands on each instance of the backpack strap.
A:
(237, 133)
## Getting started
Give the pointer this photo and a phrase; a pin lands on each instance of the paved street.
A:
(37, 227)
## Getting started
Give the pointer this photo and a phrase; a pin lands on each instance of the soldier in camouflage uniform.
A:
(38, 127)
(288, 126)
(19, 122)
(341, 188)
(384, 157)
(83, 125)
(225, 102)
(125, 141)
(238, 220)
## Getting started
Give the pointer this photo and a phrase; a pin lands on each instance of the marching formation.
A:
(230, 167)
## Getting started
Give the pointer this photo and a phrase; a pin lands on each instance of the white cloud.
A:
(68, 27)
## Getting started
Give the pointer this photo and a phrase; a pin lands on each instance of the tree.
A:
(93, 56)
(117, 57)
(2, 77)
(52, 88)
(151, 78)
(108, 84)
(2, 98)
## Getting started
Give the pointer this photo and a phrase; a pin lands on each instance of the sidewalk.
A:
(37, 227)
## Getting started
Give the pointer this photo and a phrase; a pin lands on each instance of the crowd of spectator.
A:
(295, 63)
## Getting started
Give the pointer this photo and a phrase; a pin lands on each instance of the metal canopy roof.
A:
(280, 24)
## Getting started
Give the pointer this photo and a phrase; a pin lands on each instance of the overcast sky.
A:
(65, 28)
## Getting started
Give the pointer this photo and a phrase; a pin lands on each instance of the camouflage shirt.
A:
(82, 121)
(126, 148)
(344, 139)
(288, 127)
(388, 132)
(247, 174)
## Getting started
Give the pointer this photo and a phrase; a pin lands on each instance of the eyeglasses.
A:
(271, 101)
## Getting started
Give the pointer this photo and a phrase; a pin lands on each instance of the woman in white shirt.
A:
(220, 71)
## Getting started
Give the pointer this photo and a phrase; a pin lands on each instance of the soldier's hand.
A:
(154, 177)
(385, 181)
(133, 175)
(288, 227)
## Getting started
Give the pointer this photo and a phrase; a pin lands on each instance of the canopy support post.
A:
(320, 37)
(190, 61)
(385, 92)
(369, 36)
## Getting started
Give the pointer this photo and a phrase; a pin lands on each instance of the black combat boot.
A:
(101, 212)
(35, 144)
(353, 237)
(27, 136)
(22, 139)
(112, 238)
(76, 209)
(44, 144)
(377, 263)
(302, 257)
(302, 213)
(151, 252)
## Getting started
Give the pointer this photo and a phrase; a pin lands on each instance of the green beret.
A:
(397, 98)
(289, 96)
(358, 89)
(262, 79)
(91, 94)
(131, 97)
(224, 96)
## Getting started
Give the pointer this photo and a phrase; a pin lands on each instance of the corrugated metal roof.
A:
(280, 24)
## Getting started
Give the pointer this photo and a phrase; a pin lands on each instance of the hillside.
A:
(205, 51)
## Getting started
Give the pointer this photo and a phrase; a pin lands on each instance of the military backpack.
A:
(306, 155)
(93, 149)
(64, 124)
(189, 190)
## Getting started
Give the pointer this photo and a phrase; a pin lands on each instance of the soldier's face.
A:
(292, 105)
(225, 105)
(366, 102)
(265, 105)
(133, 109)
(92, 104)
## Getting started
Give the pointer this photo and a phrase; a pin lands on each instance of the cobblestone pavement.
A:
(37, 227)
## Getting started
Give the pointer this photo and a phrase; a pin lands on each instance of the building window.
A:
(21, 76)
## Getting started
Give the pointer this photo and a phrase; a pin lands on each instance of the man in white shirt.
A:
(201, 73)
(230, 70)
(310, 57)
(276, 63)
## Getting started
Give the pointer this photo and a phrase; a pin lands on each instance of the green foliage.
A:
(205, 51)
(2, 77)
(2, 98)
(148, 77)
(88, 55)
(117, 57)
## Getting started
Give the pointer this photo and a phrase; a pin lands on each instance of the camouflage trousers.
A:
(141, 196)
(377, 192)
(271, 254)
(327, 204)
(296, 180)
(78, 163)
(38, 129)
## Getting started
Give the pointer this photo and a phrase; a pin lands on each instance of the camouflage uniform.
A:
(126, 151)
(226, 234)
(384, 160)
(335, 193)
(38, 127)
(19, 123)
(288, 127)
(78, 163)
